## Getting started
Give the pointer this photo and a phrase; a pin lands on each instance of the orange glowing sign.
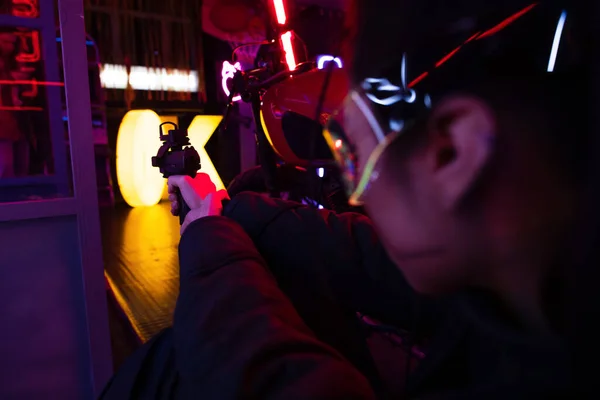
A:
(200, 131)
(140, 183)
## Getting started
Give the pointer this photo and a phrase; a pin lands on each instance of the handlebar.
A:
(279, 77)
(244, 85)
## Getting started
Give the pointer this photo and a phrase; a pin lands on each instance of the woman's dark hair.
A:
(508, 69)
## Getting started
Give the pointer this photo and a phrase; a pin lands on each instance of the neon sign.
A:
(322, 60)
(29, 55)
(26, 8)
(29, 44)
(139, 182)
(143, 78)
(227, 73)
(115, 77)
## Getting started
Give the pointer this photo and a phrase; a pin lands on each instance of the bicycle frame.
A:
(276, 30)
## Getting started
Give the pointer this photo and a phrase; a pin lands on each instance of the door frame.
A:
(84, 203)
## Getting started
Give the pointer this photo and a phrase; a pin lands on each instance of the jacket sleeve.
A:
(303, 243)
(238, 336)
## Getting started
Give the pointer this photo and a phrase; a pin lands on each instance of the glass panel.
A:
(34, 148)
(20, 8)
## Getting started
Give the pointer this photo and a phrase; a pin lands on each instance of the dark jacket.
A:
(474, 349)
(246, 328)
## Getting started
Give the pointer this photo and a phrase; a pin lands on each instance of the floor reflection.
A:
(141, 266)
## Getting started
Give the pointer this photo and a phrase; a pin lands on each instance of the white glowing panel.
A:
(280, 11)
(199, 132)
(322, 60)
(227, 73)
(115, 76)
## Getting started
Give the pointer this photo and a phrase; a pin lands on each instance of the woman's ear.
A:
(462, 130)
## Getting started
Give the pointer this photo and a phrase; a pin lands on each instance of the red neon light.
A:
(286, 42)
(25, 8)
(472, 37)
(477, 36)
(280, 11)
(32, 93)
(418, 79)
(449, 56)
(506, 22)
(18, 108)
(30, 43)
(31, 82)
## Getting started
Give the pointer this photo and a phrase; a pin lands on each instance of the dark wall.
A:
(215, 52)
(320, 28)
(223, 147)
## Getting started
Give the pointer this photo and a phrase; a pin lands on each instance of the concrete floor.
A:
(141, 264)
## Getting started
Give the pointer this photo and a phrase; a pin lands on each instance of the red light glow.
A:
(20, 108)
(477, 36)
(449, 56)
(286, 42)
(30, 47)
(418, 79)
(25, 8)
(506, 22)
(30, 82)
(280, 11)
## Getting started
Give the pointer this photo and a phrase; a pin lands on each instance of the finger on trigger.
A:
(173, 183)
(186, 189)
